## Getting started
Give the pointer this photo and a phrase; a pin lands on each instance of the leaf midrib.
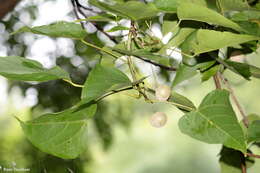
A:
(219, 128)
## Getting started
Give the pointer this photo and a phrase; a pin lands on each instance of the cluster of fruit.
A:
(162, 93)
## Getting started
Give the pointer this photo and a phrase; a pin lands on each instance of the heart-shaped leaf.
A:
(58, 29)
(61, 134)
(19, 68)
(102, 80)
(214, 122)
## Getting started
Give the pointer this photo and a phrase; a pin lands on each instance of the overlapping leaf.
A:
(214, 122)
(61, 134)
(19, 68)
(102, 80)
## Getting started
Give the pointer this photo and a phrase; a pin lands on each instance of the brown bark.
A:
(7, 6)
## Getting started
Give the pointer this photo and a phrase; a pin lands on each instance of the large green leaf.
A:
(102, 80)
(191, 11)
(61, 134)
(19, 68)
(183, 73)
(170, 6)
(214, 122)
(133, 10)
(209, 40)
(58, 29)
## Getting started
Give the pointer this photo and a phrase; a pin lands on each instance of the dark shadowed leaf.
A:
(231, 160)
(214, 122)
(19, 68)
(59, 29)
(60, 134)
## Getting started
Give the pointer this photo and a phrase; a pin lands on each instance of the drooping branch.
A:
(7, 6)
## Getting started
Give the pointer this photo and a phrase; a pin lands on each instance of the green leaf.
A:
(168, 26)
(170, 6)
(102, 80)
(209, 73)
(181, 102)
(60, 134)
(183, 73)
(231, 160)
(233, 5)
(191, 11)
(209, 40)
(214, 122)
(254, 131)
(19, 68)
(117, 28)
(133, 10)
(58, 29)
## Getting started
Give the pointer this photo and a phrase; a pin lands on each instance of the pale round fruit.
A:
(158, 119)
(237, 56)
(162, 92)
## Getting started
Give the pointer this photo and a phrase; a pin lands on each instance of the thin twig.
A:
(243, 167)
(245, 120)
(253, 155)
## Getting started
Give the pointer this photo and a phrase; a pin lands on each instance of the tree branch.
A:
(7, 6)
(245, 120)
(216, 80)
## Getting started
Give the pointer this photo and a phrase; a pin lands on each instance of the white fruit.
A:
(237, 56)
(158, 119)
(162, 92)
